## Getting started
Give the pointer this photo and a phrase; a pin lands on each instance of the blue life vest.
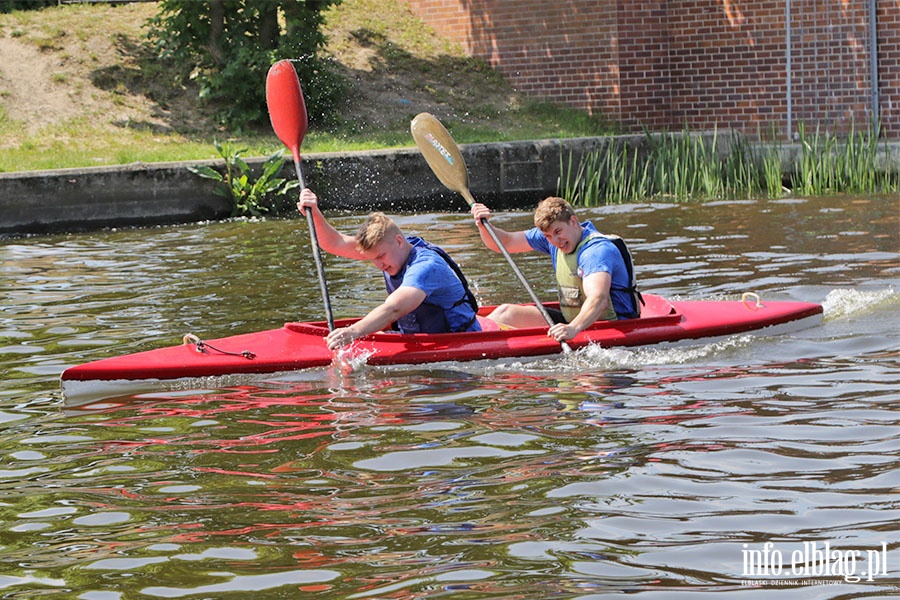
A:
(429, 317)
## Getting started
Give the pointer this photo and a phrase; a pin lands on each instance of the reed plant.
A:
(615, 174)
(680, 167)
(694, 167)
(772, 168)
(812, 174)
(826, 166)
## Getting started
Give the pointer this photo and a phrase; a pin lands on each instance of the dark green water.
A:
(658, 472)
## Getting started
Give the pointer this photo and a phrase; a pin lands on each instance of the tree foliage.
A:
(227, 46)
(7, 6)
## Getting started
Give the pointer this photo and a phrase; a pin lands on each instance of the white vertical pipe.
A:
(787, 52)
(873, 59)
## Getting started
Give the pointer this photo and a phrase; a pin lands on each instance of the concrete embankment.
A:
(503, 175)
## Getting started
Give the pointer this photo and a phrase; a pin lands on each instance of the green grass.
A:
(79, 143)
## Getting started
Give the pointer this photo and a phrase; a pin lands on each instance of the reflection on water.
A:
(650, 471)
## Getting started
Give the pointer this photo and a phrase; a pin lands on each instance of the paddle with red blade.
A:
(443, 156)
(287, 111)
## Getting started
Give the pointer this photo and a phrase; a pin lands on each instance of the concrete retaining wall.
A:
(83, 199)
(503, 175)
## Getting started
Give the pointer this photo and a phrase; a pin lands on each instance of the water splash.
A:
(846, 303)
(351, 358)
(598, 358)
(662, 354)
(348, 368)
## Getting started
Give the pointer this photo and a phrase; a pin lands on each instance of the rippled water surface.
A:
(763, 466)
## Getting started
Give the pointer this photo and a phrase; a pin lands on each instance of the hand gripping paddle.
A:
(287, 111)
(443, 156)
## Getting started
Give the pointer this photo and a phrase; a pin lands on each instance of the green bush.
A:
(250, 197)
(7, 6)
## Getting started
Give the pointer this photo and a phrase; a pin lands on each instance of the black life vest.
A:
(636, 299)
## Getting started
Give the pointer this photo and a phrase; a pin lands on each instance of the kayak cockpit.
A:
(656, 311)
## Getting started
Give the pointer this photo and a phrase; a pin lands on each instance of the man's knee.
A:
(501, 312)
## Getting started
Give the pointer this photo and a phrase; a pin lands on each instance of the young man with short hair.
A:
(595, 281)
(427, 292)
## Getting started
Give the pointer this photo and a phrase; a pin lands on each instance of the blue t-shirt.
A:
(596, 255)
(444, 308)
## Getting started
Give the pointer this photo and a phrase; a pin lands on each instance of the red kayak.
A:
(300, 345)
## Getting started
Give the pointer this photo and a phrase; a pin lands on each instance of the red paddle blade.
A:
(287, 110)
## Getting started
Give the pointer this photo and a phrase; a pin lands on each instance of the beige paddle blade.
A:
(441, 153)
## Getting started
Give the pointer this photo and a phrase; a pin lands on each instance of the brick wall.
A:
(727, 64)
(560, 50)
(830, 68)
(644, 66)
(663, 64)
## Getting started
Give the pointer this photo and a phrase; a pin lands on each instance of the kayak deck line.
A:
(201, 346)
(300, 345)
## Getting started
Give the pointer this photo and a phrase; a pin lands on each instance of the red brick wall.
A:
(727, 64)
(561, 50)
(830, 68)
(664, 64)
(645, 72)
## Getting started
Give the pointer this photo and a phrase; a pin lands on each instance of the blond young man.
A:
(427, 292)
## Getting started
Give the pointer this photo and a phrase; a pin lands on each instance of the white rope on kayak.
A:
(752, 295)
(191, 339)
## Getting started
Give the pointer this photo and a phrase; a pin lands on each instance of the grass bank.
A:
(82, 88)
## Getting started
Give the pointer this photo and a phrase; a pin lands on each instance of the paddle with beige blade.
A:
(443, 156)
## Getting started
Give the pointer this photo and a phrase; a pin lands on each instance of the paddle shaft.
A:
(317, 254)
(446, 161)
(534, 297)
(287, 111)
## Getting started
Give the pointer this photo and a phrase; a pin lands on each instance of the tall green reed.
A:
(772, 168)
(689, 166)
(827, 166)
